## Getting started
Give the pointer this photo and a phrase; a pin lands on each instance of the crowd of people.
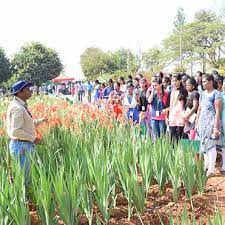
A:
(185, 107)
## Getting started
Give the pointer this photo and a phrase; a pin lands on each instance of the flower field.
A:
(92, 169)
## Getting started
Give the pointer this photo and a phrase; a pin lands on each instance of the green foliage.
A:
(95, 62)
(179, 19)
(37, 63)
(203, 39)
(5, 66)
(152, 59)
(72, 172)
(123, 60)
(12, 80)
(180, 69)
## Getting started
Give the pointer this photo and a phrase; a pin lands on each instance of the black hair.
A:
(167, 79)
(182, 91)
(160, 74)
(200, 73)
(210, 77)
(183, 74)
(118, 83)
(193, 82)
(159, 81)
(218, 78)
(129, 85)
(185, 77)
(178, 76)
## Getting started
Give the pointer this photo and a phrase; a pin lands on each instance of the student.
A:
(209, 122)
(223, 123)
(130, 102)
(177, 102)
(159, 100)
(191, 108)
(198, 78)
(167, 84)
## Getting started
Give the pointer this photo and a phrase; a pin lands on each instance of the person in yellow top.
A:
(21, 126)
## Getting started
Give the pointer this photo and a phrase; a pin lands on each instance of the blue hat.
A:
(19, 85)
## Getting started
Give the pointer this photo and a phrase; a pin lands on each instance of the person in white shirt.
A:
(131, 103)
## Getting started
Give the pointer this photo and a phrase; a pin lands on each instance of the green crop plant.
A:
(42, 192)
(188, 172)
(174, 170)
(200, 176)
(13, 203)
(146, 165)
(67, 195)
(160, 154)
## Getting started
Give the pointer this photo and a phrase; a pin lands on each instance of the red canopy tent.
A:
(62, 78)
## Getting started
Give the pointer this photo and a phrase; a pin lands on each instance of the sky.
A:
(71, 26)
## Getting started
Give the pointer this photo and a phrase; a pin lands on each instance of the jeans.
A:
(158, 128)
(22, 151)
(80, 96)
(89, 96)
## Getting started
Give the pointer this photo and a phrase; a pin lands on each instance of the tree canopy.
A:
(95, 61)
(5, 66)
(203, 39)
(36, 62)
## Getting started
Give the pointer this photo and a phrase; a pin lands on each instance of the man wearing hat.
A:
(20, 125)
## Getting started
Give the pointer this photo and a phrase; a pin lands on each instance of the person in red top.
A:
(115, 98)
(159, 100)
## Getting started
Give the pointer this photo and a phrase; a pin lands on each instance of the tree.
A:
(210, 41)
(152, 59)
(123, 60)
(37, 63)
(179, 19)
(5, 66)
(94, 62)
(202, 39)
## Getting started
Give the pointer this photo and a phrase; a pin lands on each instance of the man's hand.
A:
(43, 120)
(37, 141)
